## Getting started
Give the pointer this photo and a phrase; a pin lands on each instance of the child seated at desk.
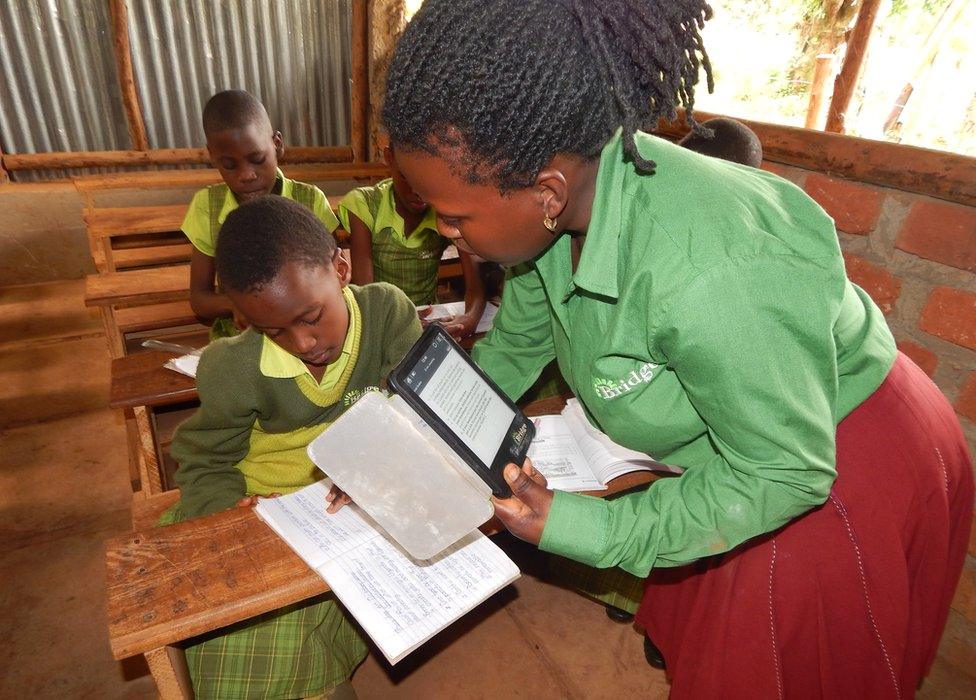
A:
(394, 238)
(245, 149)
(314, 345)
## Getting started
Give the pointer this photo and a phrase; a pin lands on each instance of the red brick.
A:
(944, 233)
(855, 208)
(951, 314)
(966, 400)
(881, 285)
(920, 355)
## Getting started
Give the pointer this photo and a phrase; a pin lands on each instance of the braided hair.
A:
(517, 81)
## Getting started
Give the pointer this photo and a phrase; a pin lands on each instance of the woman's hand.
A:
(336, 498)
(525, 513)
(461, 326)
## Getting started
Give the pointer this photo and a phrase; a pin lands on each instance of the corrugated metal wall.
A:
(59, 88)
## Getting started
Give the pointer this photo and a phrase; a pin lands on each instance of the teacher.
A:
(701, 313)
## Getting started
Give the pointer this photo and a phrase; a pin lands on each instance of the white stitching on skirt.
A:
(864, 588)
(945, 473)
(772, 626)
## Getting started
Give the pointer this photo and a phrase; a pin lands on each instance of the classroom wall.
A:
(916, 257)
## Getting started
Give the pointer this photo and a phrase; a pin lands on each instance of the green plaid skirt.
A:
(299, 651)
(609, 586)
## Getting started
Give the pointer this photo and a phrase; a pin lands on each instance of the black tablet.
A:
(449, 391)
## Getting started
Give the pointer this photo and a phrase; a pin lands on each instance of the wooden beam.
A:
(821, 73)
(925, 171)
(159, 156)
(4, 175)
(127, 82)
(359, 99)
(850, 69)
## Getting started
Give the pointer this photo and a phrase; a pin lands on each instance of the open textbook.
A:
(575, 456)
(400, 602)
(440, 312)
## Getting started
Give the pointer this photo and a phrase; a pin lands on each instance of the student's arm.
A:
(474, 299)
(519, 344)
(361, 250)
(209, 445)
(205, 301)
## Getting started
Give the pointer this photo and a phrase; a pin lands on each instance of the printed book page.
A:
(556, 453)
(401, 602)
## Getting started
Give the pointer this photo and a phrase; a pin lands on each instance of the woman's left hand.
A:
(526, 511)
(461, 326)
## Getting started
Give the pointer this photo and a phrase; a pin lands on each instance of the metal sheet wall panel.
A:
(58, 83)
(293, 55)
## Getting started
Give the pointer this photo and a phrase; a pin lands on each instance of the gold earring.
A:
(549, 224)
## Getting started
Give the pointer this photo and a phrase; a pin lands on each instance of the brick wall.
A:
(916, 257)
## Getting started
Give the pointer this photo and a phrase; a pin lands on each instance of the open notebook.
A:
(575, 456)
(400, 602)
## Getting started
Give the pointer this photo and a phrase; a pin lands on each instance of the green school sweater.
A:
(709, 323)
(249, 434)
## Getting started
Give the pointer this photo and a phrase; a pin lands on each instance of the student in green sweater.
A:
(244, 148)
(314, 345)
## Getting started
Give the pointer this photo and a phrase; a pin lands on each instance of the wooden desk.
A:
(136, 287)
(168, 584)
(141, 380)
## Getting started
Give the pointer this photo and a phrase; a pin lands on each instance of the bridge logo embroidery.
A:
(613, 388)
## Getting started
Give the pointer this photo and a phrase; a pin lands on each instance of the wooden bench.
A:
(166, 585)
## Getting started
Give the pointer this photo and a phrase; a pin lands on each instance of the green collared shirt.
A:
(410, 260)
(710, 324)
(197, 222)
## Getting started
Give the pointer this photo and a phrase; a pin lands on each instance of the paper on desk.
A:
(450, 253)
(440, 312)
(184, 364)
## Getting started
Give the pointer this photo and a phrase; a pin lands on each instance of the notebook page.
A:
(556, 454)
(184, 364)
(439, 312)
(300, 519)
(401, 602)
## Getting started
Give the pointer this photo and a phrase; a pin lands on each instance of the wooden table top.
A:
(171, 583)
(135, 287)
(141, 380)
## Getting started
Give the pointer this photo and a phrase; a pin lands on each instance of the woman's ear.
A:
(342, 266)
(553, 192)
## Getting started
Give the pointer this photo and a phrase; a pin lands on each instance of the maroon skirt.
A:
(850, 599)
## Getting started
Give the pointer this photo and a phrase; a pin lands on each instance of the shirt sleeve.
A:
(355, 203)
(209, 445)
(519, 344)
(752, 345)
(196, 223)
(402, 329)
(322, 209)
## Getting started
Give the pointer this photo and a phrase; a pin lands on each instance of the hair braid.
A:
(517, 81)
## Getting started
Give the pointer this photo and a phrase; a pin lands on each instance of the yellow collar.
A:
(230, 201)
(278, 363)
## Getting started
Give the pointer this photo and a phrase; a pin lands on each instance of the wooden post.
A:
(822, 72)
(359, 99)
(850, 69)
(4, 176)
(123, 62)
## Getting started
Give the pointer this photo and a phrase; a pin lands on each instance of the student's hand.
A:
(422, 314)
(525, 513)
(249, 501)
(336, 498)
(460, 326)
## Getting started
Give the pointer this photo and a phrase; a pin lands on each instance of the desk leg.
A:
(169, 671)
(150, 475)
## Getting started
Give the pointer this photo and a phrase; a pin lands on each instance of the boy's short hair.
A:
(258, 238)
(731, 140)
(233, 109)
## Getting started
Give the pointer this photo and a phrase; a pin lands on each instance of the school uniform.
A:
(260, 407)
(710, 324)
(408, 261)
(211, 206)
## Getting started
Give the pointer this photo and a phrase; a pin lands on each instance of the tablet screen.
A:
(452, 389)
